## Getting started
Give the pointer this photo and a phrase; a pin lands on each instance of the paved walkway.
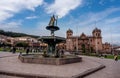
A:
(7, 54)
(112, 69)
(10, 63)
(5, 76)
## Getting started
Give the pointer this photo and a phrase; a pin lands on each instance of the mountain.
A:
(15, 34)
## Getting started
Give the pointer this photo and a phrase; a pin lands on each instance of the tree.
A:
(22, 44)
(83, 48)
(91, 49)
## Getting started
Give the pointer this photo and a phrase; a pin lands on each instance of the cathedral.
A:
(85, 43)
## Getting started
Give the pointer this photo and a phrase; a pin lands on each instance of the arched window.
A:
(96, 34)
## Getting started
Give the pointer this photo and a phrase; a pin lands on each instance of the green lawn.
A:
(1, 49)
(8, 50)
(108, 56)
(4, 49)
(112, 56)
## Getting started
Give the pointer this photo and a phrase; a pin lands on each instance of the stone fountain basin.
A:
(38, 59)
(51, 39)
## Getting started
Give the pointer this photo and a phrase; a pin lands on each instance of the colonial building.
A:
(81, 43)
(107, 47)
(91, 43)
(3, 38)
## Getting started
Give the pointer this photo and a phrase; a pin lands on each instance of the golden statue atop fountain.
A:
(53, 21)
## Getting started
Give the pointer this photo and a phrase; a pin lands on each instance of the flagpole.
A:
(96, 42)
(76, 39)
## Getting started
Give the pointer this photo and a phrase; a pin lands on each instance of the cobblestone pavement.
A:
(5, 76)
(10, 63)
(4, 55)
(7, 54)
(112, 69)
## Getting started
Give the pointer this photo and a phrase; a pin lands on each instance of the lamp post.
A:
(96, 42)
(96, 46)
(76, 39)
(112, 50)
(68, 44)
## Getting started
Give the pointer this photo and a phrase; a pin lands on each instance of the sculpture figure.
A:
(53, 21)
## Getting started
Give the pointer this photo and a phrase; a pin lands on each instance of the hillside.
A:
(15, 34)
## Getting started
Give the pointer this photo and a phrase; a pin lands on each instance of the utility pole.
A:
(112, 51)
(76, 39)
(96, 41)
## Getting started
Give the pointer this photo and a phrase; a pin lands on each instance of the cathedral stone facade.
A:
(84, 42)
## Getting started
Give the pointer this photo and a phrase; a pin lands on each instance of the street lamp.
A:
(96, 46)
(76, 39)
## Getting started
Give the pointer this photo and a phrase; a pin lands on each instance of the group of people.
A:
(14, 50)
(58, 52)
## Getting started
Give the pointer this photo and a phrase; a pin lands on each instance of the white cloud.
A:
(41, 28)
(112, 20)
(86, 24)
(31, 17)
(62, 7)
(9, 7)
(89, 18)
(99, 16)
(10, 25)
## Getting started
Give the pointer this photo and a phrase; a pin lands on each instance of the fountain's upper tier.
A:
(52, 28)
(51, 39)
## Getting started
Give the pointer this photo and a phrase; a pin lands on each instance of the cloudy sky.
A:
(32, 16)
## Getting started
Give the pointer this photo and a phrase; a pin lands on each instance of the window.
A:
(99, 34)
(96, 34)
(98, 42)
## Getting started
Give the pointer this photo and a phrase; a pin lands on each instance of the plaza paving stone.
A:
(7, 54)
(112, 69)
(11, 63)
(6, 76)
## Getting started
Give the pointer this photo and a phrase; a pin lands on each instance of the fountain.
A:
(52, 40)
(51, 56)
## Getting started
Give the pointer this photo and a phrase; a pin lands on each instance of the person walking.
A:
(116, 58)
(14, 49)
(27, 50)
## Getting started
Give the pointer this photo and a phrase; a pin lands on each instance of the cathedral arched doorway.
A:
(83, 48)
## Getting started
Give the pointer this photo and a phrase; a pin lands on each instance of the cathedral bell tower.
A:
(69, 33)
(96, 33)
(69, 42)
(97, 39)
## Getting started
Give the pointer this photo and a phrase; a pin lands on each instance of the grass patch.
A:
(8, 50)
(20, 51)
(108, 56)
(112, 57)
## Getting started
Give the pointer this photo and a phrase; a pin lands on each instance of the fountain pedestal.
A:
(51, 41)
